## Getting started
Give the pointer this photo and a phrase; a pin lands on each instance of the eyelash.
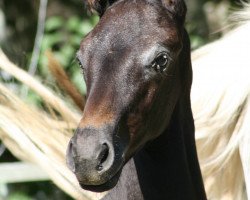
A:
(79, 63)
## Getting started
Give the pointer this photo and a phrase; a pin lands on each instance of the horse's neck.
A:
(166, 168)
(128, 187)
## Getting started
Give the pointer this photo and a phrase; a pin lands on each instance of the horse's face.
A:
(130, 64)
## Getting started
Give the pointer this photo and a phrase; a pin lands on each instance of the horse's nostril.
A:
(103, 156)
(104, 153)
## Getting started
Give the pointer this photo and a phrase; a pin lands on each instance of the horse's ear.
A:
(98, 6)
(177, 8)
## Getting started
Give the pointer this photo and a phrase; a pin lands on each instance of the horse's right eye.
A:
(160, 63)
(79, 62)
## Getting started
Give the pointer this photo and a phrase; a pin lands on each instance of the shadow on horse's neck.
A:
(167, 167)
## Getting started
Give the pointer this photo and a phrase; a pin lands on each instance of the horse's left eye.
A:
(160, 63)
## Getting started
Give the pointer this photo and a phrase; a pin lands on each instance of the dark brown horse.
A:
(137, 68)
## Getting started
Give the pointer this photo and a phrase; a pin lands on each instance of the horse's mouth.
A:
(105, 186)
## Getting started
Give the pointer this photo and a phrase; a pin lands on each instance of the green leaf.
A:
(50, 40)
(75, 40)
(85, 27)
(73, 24)
(77, 79)
(33, 98)
(19, 196)
(63, 60)
(94, 19)
(43, 64)
(68, 51)
(54, 23)
(196, 41)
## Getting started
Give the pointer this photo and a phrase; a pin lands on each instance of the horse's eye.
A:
(160, 63)
(79, 62)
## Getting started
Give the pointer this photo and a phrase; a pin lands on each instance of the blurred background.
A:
(29, 28)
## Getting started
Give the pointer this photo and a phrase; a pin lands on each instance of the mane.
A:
(221, 107)
(242, 16)
(42, 142)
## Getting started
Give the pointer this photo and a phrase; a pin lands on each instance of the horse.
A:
(136, 136)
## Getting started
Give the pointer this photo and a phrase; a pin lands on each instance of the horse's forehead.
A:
(128, 23)
(127, 14)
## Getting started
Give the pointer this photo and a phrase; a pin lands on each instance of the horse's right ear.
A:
(177, 8)
(99, 6)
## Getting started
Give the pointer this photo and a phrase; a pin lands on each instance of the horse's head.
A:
(132, 64)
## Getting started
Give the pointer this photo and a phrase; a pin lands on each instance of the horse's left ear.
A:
(177, 8)
(98, 6)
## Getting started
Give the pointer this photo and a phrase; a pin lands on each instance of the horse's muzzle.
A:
(92, 156)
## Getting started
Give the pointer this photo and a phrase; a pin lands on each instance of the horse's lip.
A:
(105, 186)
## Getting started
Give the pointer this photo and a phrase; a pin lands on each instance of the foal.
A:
(137, 68)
